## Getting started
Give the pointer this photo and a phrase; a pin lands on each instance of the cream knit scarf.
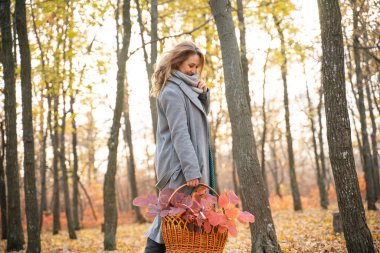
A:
(192, 81)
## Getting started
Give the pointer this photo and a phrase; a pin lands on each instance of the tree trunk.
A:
(149, 64)
(375, 99)
(243, 53)
(109, 191)
(368, 167)
(55, 143)
(375, 155)
(43, 165)
(274, 170)
(360, 146)
(153, 59)
(254, 195)
(43, 132)
(15, 234)
(3, 193)
(75, 169)
(323, 200)
(31, 203)
(284, 72)
(65, 180)
(74, 147)
(91, 172)
(66, 192)
(215, 121)
(263, 140)
(350, 78)
(358, 236)
(130, 156)
(321, 144)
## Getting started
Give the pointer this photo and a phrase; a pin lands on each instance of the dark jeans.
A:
(154, 247)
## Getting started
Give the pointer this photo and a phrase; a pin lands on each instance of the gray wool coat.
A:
(182, 141)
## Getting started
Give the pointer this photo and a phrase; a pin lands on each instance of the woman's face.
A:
(190, 65)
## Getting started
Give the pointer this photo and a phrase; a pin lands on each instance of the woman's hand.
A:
(202, 85)
(193, 183)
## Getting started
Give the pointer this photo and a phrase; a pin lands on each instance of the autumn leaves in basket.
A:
(201, 210)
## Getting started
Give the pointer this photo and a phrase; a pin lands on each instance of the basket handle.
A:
(184, 185)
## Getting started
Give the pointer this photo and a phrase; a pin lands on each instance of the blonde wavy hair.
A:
(172, 59)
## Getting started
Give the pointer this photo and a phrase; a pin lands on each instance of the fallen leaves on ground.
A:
(306, 231)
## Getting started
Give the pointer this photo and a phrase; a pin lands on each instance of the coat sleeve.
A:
(173, 105)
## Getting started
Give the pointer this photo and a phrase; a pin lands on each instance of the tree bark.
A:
(243, 52)
(109, 191)
(275, 168)
(74, 141)
(358, 236)
(284, 72)
(368, 167)
(321, 143)
(254, 195)
(43, 132)
(43, 164)
(153, 54)
(264, 135)
(131, 156)
(3, 193)
(65, 180)
(55, 143)
(75, 169)
(31, 203)
(323, 200)
(149, 64)
(15, 239)
(217, 120)
(375, 154)
(91, 136)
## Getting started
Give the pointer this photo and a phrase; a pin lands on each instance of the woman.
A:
(182, 148)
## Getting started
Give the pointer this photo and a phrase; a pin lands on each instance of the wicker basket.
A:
(180, 239)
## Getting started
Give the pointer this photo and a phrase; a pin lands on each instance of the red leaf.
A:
(213, 218)
(153, 211)
(246, 217)
(164, 196)
(163, 213)
(199, 221)
(196, 206)
(141, 202)
(151, 214)
(222, 219)
(232, 230)
(177, 198)
(232, 213)
(233, 198)
(207, 226)
(223, 201)
(222, 229)
(187, 201)
(210, 198)
(177, 211)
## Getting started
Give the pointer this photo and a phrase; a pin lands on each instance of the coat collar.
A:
(189, 93)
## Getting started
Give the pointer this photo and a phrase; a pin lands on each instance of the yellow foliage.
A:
(301, 232)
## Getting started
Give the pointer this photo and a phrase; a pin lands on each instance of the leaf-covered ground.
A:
(307, 231)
